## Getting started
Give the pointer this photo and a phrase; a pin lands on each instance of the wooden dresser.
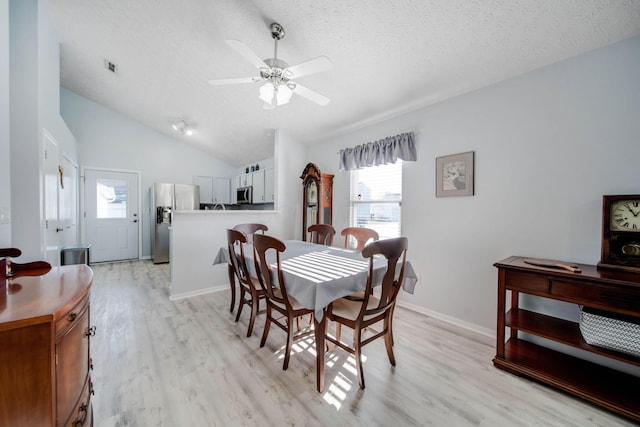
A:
(609, 290)
(44, 348)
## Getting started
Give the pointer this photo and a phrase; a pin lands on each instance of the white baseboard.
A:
(449, 319)
(436, 315)
(204, 291)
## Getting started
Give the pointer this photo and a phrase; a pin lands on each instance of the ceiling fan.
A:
(277, 74)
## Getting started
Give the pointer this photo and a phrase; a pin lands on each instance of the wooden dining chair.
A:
(370, 310)
(361, 234)
(250, 290)
(278, 300)
(322, 234)
(249, 229)
(10, 252)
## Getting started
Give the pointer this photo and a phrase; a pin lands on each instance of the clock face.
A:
(625, 215)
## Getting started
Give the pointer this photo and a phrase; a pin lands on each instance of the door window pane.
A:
(111, 198)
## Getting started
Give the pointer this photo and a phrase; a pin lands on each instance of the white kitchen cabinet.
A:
(223, 190)
(269, 186)
(246, 179)
(258, 186)
(263, 186)
(206, 187)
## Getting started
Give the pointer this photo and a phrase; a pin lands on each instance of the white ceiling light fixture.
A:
(182, 127)
(277, 74)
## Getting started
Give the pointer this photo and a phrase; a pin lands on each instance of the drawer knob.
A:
(91, 332)
(83, 411)
(72, 317)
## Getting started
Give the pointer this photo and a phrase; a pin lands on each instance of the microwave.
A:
(244, 195)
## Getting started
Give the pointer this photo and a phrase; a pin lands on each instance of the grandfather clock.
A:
(317, 197)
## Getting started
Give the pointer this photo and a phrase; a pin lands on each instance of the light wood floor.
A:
(186, 363)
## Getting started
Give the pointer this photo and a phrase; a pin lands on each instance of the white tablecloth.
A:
(316, 275)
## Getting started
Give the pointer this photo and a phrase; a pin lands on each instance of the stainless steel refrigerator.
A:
(165, 198)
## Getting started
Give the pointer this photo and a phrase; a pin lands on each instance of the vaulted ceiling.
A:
(389, 57)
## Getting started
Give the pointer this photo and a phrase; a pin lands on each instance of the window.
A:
(111, 198)
(376, 199)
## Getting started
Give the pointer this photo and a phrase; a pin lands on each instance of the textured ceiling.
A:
(389, 57)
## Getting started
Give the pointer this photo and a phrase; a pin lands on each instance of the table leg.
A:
(232, 284)
(501, 314)
(319, 329)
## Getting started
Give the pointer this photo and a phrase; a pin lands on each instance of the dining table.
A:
(316, 275)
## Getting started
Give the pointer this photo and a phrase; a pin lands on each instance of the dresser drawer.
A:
(604, 297)
(71, 318)
(525, 282)
(82, 414)
(72, 365)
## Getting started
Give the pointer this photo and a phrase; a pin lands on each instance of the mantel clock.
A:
(621, 233)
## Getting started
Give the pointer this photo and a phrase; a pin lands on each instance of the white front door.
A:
(112, 222)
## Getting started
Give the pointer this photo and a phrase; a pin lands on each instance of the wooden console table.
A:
(609, 290)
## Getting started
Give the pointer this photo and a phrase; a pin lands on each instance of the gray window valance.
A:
(381, 152)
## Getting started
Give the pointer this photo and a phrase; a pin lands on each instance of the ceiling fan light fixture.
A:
(283, 94)
(266, 92)
(275, 95)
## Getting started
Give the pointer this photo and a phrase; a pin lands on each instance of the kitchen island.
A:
(196, 237)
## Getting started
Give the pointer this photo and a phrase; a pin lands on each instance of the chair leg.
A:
(267, 324)
(241, 303)
(255, 302)
(391, 324)
(357, 338)
(388, 340)
(287, 352)
(232, 284)
(338, 330)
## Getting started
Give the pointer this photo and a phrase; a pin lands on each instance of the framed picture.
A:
(454, 175)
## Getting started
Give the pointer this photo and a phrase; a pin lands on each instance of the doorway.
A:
(111, 207)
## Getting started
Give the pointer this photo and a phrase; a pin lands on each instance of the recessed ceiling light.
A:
(182, 127)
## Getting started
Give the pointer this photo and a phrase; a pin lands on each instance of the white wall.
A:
(548, 144)
(33, 108)
(49, 83)
(24, 128)
(108, 139)
(5, 183)
(290, 160)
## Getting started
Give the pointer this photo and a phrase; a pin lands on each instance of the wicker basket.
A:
(611, 331)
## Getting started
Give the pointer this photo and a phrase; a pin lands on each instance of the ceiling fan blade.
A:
(311, 95)
(220, 82)
(247, 53)
(312, 66)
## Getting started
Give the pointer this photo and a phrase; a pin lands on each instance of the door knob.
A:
(135, 220)
(59, 230)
